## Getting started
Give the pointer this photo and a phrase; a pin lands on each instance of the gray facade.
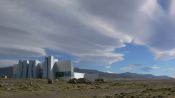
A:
(48, 67)
(63, 70)
(25, 69)
(32, 68)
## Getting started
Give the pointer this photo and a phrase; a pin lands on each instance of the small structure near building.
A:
(90, 77)
(78, 75)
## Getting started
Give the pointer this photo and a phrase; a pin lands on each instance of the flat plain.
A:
(36, 88)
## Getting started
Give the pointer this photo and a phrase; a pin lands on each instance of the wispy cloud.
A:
(4, 63)
(150, 68)
(108, 71)
(170, 69)
(139, 67)
(131, 67)
(108, 67)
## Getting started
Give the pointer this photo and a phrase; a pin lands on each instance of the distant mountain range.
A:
(8, 71)
(114, 76)
(110, 76)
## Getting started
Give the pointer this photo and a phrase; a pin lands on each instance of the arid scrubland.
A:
(35, 88)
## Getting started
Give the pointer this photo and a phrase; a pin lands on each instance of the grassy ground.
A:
(28, 88)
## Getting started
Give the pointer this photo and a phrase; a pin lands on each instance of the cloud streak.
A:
(139, 67)
(131, 67)
(150, 68)
(5, 63)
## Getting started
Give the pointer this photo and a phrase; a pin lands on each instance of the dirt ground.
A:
(29, 88)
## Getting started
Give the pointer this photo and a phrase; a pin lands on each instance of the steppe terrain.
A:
(35, 88)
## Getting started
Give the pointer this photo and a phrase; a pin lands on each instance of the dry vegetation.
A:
(10, 88)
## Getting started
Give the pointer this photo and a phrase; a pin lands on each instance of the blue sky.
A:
(138, 59)
(108, 35)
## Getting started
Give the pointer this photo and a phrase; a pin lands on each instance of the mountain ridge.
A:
(126, 75)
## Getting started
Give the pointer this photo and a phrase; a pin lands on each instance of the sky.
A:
(113, 36)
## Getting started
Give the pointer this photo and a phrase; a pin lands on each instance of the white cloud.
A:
(152, 8)
(108, 71)
(150, 68)
(170, 69)
(172, 7)
(4, 63)
(157, 29)
(130, 67)
(155, 67)
(108, 67)
(164, 55)
(18, 51)
(133, 67)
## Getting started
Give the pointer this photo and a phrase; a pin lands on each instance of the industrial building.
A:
(50, 69)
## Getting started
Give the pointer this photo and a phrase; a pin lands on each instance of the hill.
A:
(114, 76)
(6, 71)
